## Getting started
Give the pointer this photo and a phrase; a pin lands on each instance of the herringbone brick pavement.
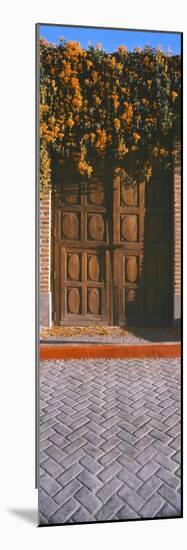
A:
(109, 440)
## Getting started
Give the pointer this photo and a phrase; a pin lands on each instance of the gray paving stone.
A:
(164, 449)
(167, 403)
(130, 479)
(108, 424)
(171, 420)
(169, 478)
(43, 456)
(142, 431)
(140, 411)
(152, 406)
(150, 487)
(110, 413)
(159, 425)
(74, 446)
(72, 458)
(168, 511)
(93, 451)
(92, 415)
(170, 495)
(49, 424)
(110, 509)
(176, 443)
(94, 438)
(125, 409)
(42, 519)
(130, 497)
(178, 472)
(163, 396)
(58, 440)
(114, 437)
(92, 465)
(127, 426)
(61, 429)
(87, 498)
(107, 405)
(129, 450)
(148, 470)
(69, 400)
(128, 437)
(54, 401)
(152, 506)
(168, 463)
(110, 471)
(110, 432)
(67, 420)
(109, 488)
(46, 433)
(177, 457)
(169, 410)
(46, 504)
(127, 513)
(55, 453)
(52, 467)
(68, 491)
(90, 481)
(129, 463)
(64, 513)
(77, 433)
(82, 516)
(144, 442)
(175, 430)
(107, 458)
(146, 455)
(139, 406)
(94, 427)
(49, 485)
(110, 443)
(138, 397)
(161, 436)
(70, 474)
(82, 406)
(50, 409)
(78, 418)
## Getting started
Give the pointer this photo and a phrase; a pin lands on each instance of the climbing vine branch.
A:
(122, 106)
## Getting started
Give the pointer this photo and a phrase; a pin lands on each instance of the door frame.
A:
(114, 251)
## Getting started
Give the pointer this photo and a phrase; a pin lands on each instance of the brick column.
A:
(177, 238)
(45, 259)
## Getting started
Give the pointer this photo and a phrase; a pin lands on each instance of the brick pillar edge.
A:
(177, 238)
(45, 260)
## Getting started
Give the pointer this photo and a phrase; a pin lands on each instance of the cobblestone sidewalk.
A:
(109, 440)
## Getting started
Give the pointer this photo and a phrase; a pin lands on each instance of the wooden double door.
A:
(111, 256)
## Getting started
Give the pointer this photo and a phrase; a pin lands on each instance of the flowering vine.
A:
(122, 106)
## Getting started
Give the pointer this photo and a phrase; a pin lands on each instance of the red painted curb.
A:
(113, 351)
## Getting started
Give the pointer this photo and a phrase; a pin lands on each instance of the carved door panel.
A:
(82, 261)
(112, 252)
(142, 274)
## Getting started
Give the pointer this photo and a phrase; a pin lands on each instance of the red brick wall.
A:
(45, 258)
(45, 243)
(177, 234)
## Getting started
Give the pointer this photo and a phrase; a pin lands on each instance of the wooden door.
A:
(142, 251)
(112, 250)
(82, 272)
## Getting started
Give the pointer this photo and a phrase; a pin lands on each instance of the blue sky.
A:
(111, 39)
